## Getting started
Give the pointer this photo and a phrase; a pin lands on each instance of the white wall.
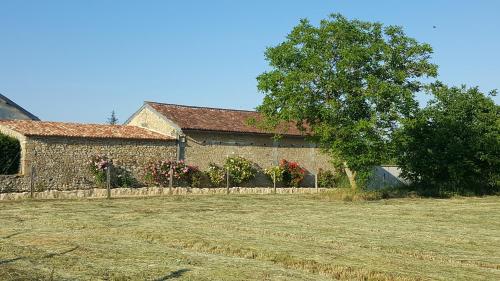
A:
(386, 176)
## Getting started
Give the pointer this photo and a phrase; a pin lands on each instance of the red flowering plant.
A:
(158, 173)
(292, 174)
(98, 165)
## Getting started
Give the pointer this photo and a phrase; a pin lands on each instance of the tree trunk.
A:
(351, 175)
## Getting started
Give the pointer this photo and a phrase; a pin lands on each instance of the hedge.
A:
(10, 155)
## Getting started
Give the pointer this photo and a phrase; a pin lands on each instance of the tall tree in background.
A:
(452, 145)
(113, 120)
(349, 82)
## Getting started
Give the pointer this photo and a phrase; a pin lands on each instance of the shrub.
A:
(199, 179)
(192, 176)
(293, 174)
(452, 145)
(288, 173)
(9, 155)
(158, 173)
(274, 173)
(122, 178)
(240, 170)
(98, 166)
(216, 175)
(326, 178)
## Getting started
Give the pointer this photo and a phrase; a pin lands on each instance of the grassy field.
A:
(266, 237)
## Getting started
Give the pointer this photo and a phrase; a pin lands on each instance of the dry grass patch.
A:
(251, 237)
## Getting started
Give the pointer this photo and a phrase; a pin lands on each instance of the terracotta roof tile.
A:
(58, 129)
(217, 119)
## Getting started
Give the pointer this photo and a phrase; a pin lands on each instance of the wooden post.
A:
(316, 182)
(171, 181)
(227, 180)
(32, 182)
(274, 181)
(108, 181)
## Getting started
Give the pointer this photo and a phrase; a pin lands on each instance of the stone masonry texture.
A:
(203, 148)
(63, 163)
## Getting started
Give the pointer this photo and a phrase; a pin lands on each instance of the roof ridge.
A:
(61, 122)
(216, 119)
(201, 107)
(83, 130)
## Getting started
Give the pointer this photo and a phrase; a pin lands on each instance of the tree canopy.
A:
(113, 120)
(452, 145)
(347, 83)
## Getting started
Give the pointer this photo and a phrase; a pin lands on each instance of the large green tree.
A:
(348, 83)
(452, 145)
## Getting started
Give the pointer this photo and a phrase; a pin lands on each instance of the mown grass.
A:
(242, 237)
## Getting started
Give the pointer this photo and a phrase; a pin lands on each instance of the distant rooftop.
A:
(58, 129)
(217, 119)
(11, 110)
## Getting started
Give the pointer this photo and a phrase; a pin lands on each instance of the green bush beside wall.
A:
(10, 155)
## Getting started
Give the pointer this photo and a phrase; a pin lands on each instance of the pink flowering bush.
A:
(159, 172)
(119, 177)
(192, 176)
(98, 165)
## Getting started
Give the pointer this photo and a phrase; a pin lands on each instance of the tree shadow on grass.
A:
(3, 262)
(173, 275)
(51, 255)
(13, 234)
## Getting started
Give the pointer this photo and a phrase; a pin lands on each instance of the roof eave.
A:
(243, 132)
(96, 137)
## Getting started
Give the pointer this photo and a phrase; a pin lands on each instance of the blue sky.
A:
(78, 60)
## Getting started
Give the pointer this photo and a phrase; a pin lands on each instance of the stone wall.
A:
(150, 191)
(203, 148)
(13, 183)
(62, 163)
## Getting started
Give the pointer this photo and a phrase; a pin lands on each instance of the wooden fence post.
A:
(171, 181)
(316, 182)
(274, 181)
(227, 180)
(32, 181)
(108, 181)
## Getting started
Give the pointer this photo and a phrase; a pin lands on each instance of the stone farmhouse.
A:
(10, 110)
(209, 135)
(59, 153)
